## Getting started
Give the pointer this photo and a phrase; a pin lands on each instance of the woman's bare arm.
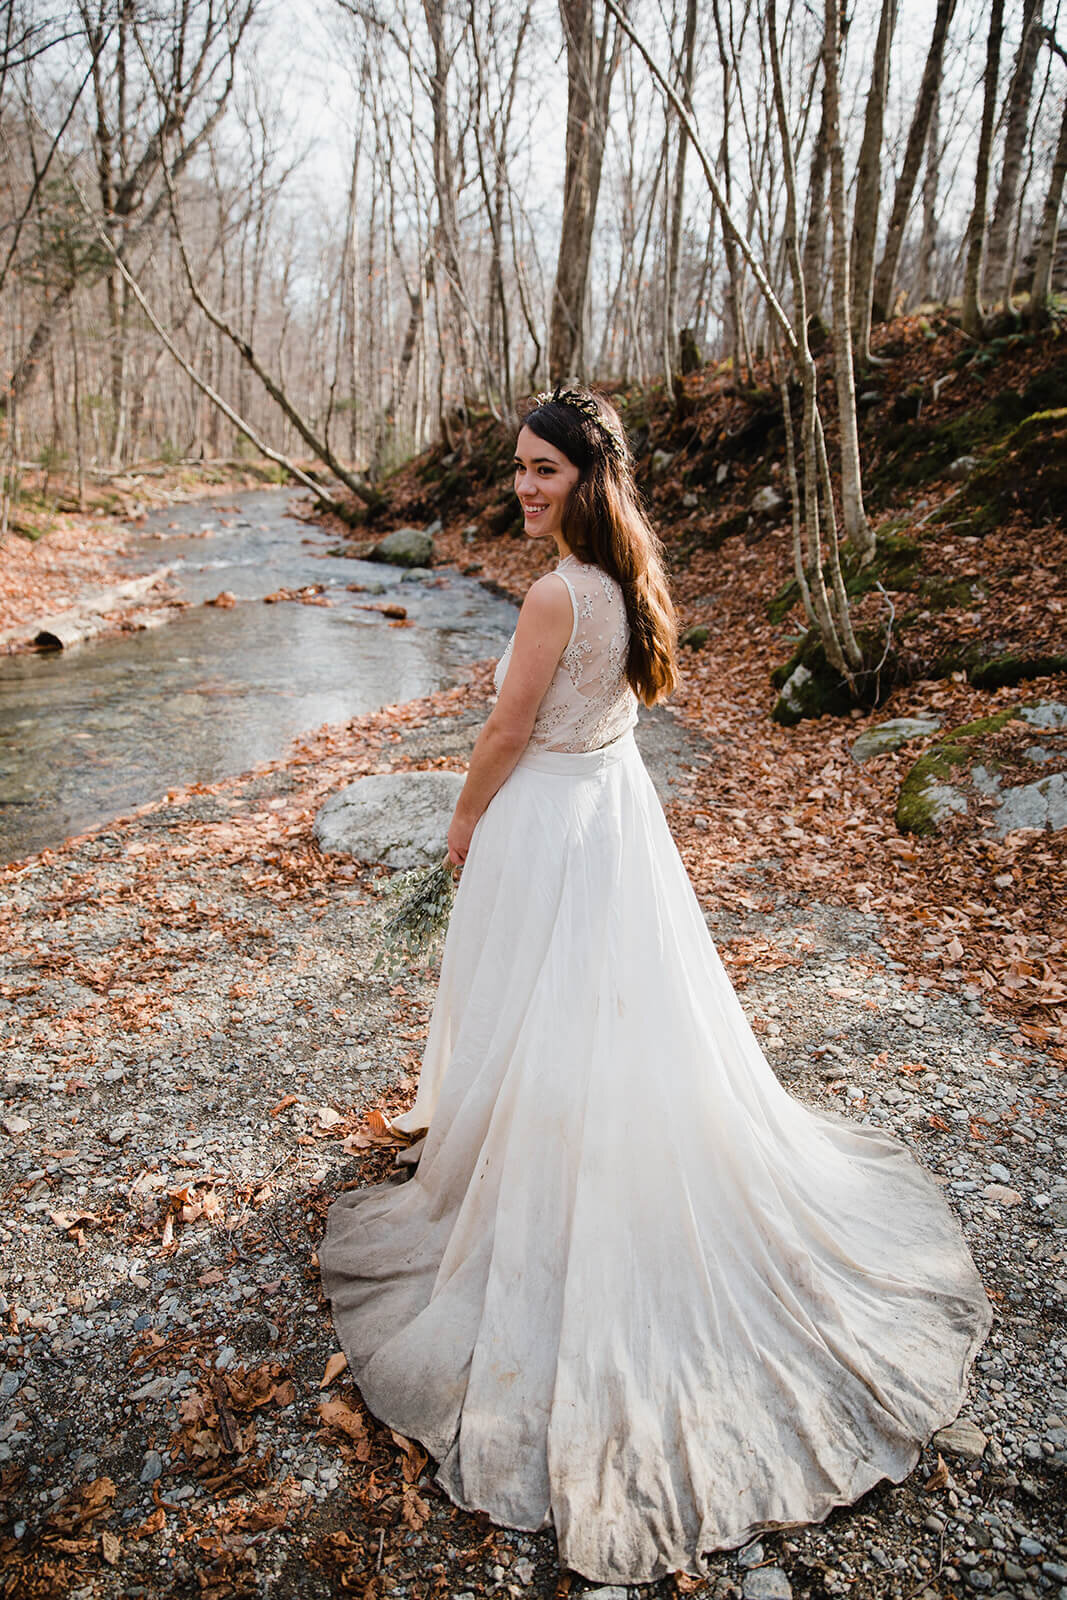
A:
(543, 630)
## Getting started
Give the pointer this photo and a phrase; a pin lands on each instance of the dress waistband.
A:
(578, 763)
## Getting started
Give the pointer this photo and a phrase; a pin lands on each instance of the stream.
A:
(87, 734)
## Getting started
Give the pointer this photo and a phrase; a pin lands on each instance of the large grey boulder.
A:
(891, 735)
(407, 547)
(399, 818)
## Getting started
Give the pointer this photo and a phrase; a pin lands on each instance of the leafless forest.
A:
(516, 191)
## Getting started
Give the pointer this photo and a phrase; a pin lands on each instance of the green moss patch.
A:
(930, 791)
(1025, 474)
(913, 452)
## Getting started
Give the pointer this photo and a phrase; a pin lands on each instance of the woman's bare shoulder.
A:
(548, 597)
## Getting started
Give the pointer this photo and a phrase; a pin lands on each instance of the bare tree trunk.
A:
(918, 143)
(997, 269)
(591, 63)
(78, 449)
(924, 278)
(1046, 237)
(678, 200)
(971, 314)
(855, 518)
(447, 233)
(869, 186)
(734, 268)
(827, 609)
(815, 232)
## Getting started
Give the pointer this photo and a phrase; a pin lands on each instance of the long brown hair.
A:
(605, 525)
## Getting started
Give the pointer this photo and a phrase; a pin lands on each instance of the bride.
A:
(634, 1291)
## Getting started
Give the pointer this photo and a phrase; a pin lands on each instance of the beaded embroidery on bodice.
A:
(589, 702)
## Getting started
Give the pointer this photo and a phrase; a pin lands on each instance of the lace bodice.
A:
(589, 701)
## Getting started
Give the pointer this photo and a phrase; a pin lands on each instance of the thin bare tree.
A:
(918, 144)
(971, 314)
(1045, 251)
(998, 262)
(852, 510)
(869, 186)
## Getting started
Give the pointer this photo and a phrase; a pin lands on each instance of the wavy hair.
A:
(605, 525)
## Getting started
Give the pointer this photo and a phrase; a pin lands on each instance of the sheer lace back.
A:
(589, 701)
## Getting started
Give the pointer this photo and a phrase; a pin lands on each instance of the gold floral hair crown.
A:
(588, 408)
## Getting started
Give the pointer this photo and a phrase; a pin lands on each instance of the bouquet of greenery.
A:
(411, 933)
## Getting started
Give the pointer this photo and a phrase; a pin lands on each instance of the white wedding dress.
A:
(634, 1290)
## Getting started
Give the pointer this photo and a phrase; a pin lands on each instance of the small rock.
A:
(16, 1125)
(224, 601)
(961, 1438)
(962, 468)
(661, 460)
(225, 1358)
(767, 1583)
(523, 1571)
(1031, 1547)
(752, 1556)
(406, 547)
(891, 735)
(692, 638)
(117, 1135)
(791, 688)
(766, 502)
(1002, 1194)
(690, 500)
(152, 1468)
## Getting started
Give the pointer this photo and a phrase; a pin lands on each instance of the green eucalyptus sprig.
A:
(411, 933)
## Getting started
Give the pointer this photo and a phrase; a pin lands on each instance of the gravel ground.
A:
(193, 1038)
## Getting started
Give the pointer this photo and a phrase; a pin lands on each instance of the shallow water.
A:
(88, 733)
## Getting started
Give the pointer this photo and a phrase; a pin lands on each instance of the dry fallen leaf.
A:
(336, 1365)
(938, 1478)
(110, 1547)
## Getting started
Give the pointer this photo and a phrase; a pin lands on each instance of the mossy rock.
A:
(810, 687)
(695, 637)
(931, 791)
(1003, 670)
(1026, 474)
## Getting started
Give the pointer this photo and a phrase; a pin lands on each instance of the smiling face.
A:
(544, 477)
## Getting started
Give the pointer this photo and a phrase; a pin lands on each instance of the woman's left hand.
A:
(459, 838)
